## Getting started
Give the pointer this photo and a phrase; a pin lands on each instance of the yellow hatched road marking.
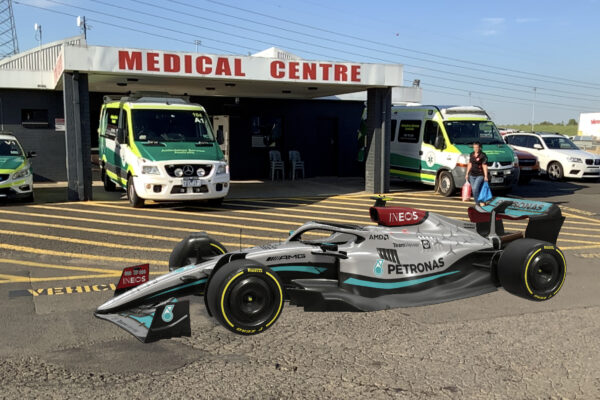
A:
(172, 220)
(427, 208)
(92, 242)
(132, 224)
(56, 266)
(84, 241)
(94, 230)
(35, 250)
(18, 279)
(580, 247)
(221, 216)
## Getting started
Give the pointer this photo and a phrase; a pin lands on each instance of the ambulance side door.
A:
(431, 157)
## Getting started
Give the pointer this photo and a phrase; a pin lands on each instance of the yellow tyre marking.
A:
(280, 299)
(220, 248)
(223, 298)
(527, 267)
(34, 250)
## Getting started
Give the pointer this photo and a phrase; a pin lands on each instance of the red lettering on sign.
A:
(223, 67)
(172, 63)
(355, 73)
(309, 71)
(294, 70)
(325, 70)
(203, 64)
(152, 61)
(596, 121)
(237, 67)
(341, 72)
(277, 69)
(187, 64)
(130, 61)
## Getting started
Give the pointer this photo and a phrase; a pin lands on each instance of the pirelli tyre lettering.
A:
(245, 297)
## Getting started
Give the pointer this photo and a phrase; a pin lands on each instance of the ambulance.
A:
(162, 148)
(16, 175)
(431, 144)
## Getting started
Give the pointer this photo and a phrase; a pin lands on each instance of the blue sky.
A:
(491, 54)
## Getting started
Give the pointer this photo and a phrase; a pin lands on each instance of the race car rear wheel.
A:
(532, 269)
(195, 249)
(245, 297)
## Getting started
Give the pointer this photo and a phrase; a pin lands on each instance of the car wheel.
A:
(524, 180)
(445, 184)
(216, 202)
(555, 171)
(245, 297)
(29, 198)
(135, 200)
(109, 185)
(195, 249)
(532, 269)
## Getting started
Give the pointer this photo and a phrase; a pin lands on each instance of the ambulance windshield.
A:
(171, 126)
(10, 148)
(467, 132)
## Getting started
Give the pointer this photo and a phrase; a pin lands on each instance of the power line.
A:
(336, 41)
(404, 48)
(500, 87)
(498, 95)
(136, 21)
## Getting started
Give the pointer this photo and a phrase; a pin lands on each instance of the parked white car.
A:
(559, 157)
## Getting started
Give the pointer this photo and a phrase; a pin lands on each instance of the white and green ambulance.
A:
(431, 144)
(160, 148)
(16, 175)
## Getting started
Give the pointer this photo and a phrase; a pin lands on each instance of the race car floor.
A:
(60, 260)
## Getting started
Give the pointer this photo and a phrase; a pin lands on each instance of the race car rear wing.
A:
(545, 219)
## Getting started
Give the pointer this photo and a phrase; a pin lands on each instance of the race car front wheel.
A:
(195, 249)
(245, 297)
(532, 269)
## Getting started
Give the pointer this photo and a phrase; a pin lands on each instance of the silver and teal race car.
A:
(16, 176)
(410, 258)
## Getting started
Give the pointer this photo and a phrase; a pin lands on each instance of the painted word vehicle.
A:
(207, 65)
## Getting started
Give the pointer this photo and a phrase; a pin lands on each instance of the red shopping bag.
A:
(466, 191)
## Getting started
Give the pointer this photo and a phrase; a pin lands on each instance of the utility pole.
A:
(8, 32)
(533, 110)
(197, 43)
(83, 25)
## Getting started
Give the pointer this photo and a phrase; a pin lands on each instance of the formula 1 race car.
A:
(410, 258)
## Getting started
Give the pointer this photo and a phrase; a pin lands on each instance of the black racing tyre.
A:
(532, 269)
(195, 249)
(555, 171)
(445, 184)
(135, 200)
(245, 297)
(109, 185)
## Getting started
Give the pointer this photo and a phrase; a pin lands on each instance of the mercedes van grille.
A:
(189, 170)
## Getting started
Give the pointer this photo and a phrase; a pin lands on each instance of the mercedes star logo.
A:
(188, 170)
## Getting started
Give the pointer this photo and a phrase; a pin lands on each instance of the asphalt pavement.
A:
(60, 260)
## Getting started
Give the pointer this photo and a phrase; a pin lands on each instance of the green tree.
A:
(572, 121)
